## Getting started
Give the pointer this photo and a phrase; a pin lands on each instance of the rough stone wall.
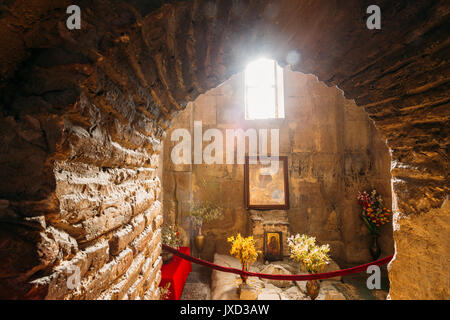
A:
(158, 60)
(333, 152)
(427, 236)
(102, 217)
(79, 185)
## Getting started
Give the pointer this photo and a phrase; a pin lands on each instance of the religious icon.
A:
(265, 190)
(273, 246)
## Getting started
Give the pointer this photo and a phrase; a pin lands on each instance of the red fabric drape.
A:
(302, 277)
(176, 273)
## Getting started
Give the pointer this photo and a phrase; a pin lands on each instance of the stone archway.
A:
(83, 113)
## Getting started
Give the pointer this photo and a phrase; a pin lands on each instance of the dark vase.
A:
(166, 257)
(199, 242)
(375, 250)
(312, 288)
(244, 277)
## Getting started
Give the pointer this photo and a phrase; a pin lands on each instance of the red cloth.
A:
(291, 277)
(176, 273)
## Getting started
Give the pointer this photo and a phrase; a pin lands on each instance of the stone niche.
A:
(269, 221)
(333, 152)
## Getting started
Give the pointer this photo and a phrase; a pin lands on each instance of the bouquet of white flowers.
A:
(202, 212)
(304, 250)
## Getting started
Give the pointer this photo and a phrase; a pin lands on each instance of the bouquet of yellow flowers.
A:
(243, 249)
(304, 250)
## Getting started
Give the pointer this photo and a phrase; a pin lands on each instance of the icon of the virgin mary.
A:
(274, 247)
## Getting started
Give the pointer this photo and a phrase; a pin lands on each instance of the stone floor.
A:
(202, 284)
(198, 284)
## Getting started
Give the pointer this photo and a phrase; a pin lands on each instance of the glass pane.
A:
(260, 102)
(260, 73)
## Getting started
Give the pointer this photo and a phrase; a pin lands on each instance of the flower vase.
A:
(313, 288)
(244, 277)
(375, 250)
(199, 242)
(166, 257)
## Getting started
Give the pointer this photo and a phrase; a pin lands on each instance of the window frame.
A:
(277, 86)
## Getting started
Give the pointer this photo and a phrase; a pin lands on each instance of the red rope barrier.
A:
(301, 277)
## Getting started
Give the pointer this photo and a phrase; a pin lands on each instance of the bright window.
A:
(264, 97)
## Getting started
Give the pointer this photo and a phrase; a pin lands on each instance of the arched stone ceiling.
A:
(140, 68)
(399, 74)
